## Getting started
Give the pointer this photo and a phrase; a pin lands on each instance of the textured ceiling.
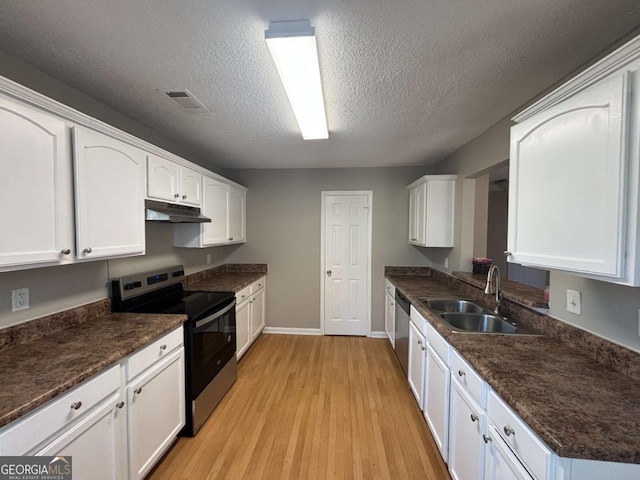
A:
(405, 82)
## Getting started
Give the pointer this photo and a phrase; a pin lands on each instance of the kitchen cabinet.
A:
(88, 423)
(432, 210)
(466, 430)
(415, 373)
(250, 315)
(109, 196)
(168, 181)
(156, 412)
(36, 186)
(574, 175)
(436, 409)
(390, 316)
(225, 205)
(502, 464)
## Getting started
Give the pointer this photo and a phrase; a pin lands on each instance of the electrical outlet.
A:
(19, 299)
(208, 259)
(639, 322)
(574, 302)
(446, 262)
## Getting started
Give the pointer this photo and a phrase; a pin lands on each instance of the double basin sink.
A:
(467, 317)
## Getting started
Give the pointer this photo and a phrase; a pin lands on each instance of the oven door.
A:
(211, 343)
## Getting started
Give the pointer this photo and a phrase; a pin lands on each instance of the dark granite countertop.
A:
(226, 278)
(38, 370)
(579, 407)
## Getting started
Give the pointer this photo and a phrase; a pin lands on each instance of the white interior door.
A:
(346, 258)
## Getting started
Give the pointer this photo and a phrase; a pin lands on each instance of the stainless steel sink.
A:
(485, 323)
(452, 305)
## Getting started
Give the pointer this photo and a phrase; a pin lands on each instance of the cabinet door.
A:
(389, 319)
(501, 464)
(156, 412)
(162, 179)
(417, 204)
(35, 187)
(190, 187)
(436, 410)
(440, 213)
(215, 206)
(98, 443)
(466, 427)
(257, 314)
(110, 178)
(567, 182)
(416, 366)
(243, 337)
(237, 219)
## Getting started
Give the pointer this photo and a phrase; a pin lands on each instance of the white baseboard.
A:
(379, 334)
(292, 331)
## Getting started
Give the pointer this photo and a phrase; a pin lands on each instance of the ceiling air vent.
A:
(187, 101)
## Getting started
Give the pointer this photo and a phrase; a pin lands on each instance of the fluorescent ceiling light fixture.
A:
(293, 48)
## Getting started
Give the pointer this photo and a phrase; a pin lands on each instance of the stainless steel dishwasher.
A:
(403, 311)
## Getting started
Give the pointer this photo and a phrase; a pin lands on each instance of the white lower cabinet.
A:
(416, 367)
(436, 409)
(501, 463)
(390, 319)
(466, 429)
(250, 315)
(156, 412)
(112, 430)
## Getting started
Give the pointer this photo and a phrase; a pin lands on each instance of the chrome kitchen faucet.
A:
(487, 289)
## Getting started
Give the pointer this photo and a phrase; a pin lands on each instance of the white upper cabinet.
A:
(573, 186)
(173, 183)
(225, 205)
(432, 210)
(35, 187)
(110, 177)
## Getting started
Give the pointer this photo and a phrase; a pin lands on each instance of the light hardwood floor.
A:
(308, 407)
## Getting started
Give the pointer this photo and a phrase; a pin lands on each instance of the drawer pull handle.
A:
(76, 405)
(474, 417)
(508, 431)
(163, 347)
(120, 405)
(229, 337)
(138, 391)
(486, 439)
(66, 251)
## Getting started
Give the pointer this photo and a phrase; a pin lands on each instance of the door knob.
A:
(329, 272)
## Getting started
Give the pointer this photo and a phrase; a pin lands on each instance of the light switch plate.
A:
(574, 301)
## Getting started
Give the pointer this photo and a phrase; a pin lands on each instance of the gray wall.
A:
(497, 228)
(54, 289)
(283, 230)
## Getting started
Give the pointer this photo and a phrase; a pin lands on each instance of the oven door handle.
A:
(210, 318)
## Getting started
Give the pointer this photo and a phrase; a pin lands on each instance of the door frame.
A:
(323, 196)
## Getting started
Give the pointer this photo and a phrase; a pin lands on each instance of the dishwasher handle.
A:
(402, 302)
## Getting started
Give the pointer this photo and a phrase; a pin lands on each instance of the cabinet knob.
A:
(508, 431)
(138, 391)
(163, 347)
(120, 405)
(76, 405)
(424, 348)
(461, 373)
(419, 342)
(66, 251)
(392, 304)
(486, 439)
(328, 273)
(88, 250)
(507, 253)
(474, 417)
(414, 239)
(184, 197)
(230, 238)
(176, 195)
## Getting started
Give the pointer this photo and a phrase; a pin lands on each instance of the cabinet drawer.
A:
(243, 295)
(438, 343)
(531, 451)
(419, 321)
(391, 290)
(21, 437)
(468, 377)
(150, 354)
(257, 285)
